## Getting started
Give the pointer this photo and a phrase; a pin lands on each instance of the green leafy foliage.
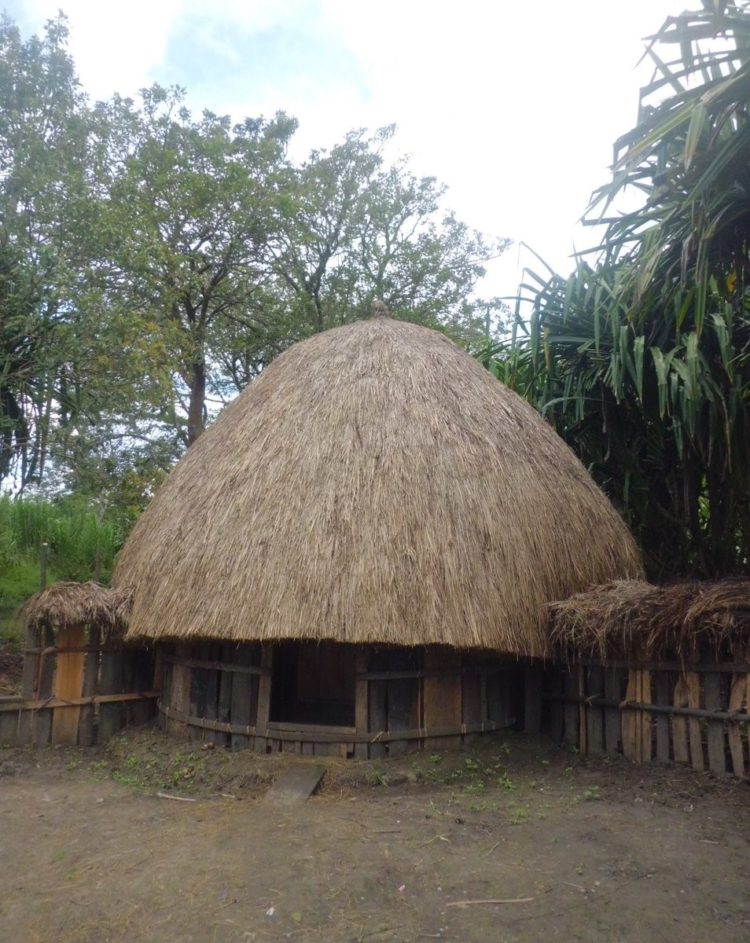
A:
(154, 261)
(642, 360)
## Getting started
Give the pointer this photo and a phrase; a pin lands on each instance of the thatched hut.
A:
(359, 550)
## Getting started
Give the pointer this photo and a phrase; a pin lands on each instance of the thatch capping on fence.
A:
(633, 620)
(374, 485)
(74, 604)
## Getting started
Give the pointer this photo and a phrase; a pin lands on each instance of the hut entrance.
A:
(313, 683)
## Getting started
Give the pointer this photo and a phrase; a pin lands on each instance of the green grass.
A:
(80, 542)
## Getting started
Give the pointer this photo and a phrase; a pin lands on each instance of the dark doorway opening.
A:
(313, 683)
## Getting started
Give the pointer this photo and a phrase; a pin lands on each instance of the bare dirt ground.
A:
(395, 851)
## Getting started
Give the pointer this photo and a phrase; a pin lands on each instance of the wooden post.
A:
(226, 683)
(244, 706)
(556, 718)
(612, 726)
(29, 677)
(646, 739)
(594, 713)
(403, 706)
(571, 709)
(662, 720)
(30, 674)
(86, 727)
(693, 684)
(111, 716)
(715, 734)
(442, 695)
(264, 698)
(737, 694)
(360, 703)
(679, 724)
(636, 725)
(42, 719)
(377, 703)
(630, 719)
(68, 684)
(179, 696)
(583, 746)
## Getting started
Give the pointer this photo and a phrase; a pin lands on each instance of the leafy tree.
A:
(361, 230)
(43, 207)
(189, 220)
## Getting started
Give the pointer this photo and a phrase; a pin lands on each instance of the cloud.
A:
(515, 106)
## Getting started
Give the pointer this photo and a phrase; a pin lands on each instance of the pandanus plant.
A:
(641, 357)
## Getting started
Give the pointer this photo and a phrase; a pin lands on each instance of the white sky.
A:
(514, 105)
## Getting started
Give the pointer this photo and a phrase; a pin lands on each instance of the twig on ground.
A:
(506, 900)
(167, 795)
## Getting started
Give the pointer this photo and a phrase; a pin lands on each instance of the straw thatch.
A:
(629, 619)
(68, 604)
(375, 484)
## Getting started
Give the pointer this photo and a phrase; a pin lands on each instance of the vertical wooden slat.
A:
(211, 708)
(612, 725)
(692, 681)
(471, 695)
(715, 733)
(111, 716)
(377, 703)
(264, 698)
(42, 719)
(571, 709)
(645, 737)
(86, 726)
(29, 677)
(679, 724)
(532, 699)
(661, 692)
(554, 687)
(244, 703)
(737, 697)
(360, 702)
(226, 681)
(198, 691)
(583, 745)
(68, 684)
(403, 712)
(442, 695)
(594, 713)
(631, 721)
(179, 693)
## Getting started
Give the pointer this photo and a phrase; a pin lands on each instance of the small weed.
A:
(591, 794)
(519, 814)
(506, 782)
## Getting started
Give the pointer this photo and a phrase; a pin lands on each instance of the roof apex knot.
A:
(379, 309)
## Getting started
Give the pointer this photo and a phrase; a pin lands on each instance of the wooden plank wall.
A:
(697, 715)
(405, 699)
(75, 690)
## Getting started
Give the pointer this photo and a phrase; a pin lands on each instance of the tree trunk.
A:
(196, 406)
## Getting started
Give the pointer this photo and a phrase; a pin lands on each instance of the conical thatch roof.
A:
(375, 484)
